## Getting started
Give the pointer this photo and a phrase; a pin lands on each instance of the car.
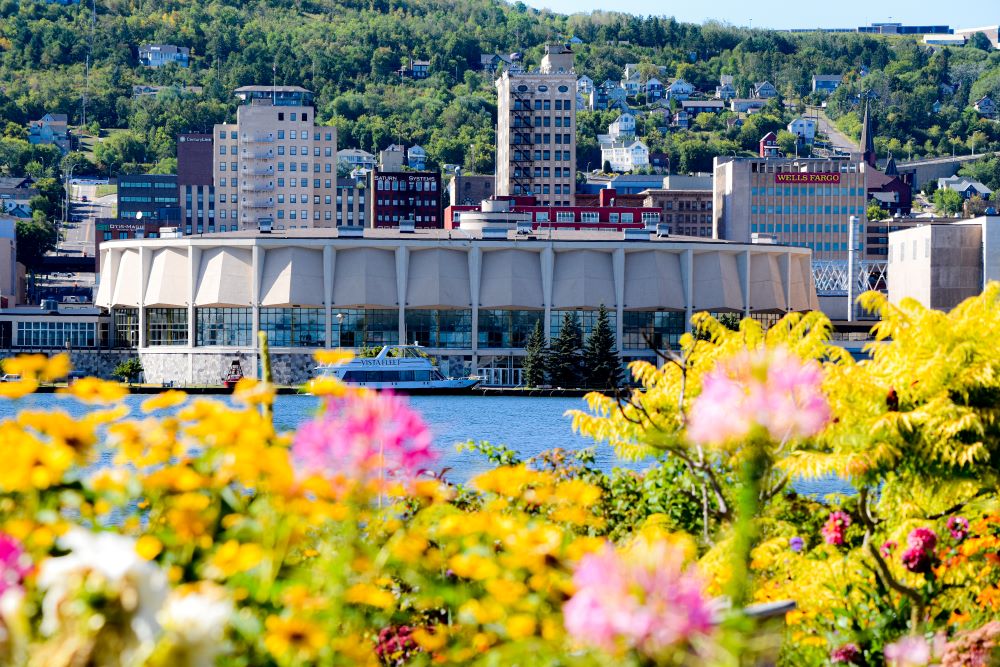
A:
(10, 377)
(84, 198)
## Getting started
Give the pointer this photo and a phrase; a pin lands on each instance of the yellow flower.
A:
(292, 636)
(506, 591)
(520, 626)
(473, 566)
(148, 547)
(25, 365)
(370, 595)
(93, 390)
(431, 641)
(18, 389)
(331, 357)
(165, 400)
(409, 548)
(326, 386)
(250, 391)
(233, 557)
(56, 368)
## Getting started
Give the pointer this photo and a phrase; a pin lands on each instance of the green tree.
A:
(948, 201)
(875, 211)
(533, 366)
(980, 41)
(565, 355)
(35, 238)
(128, 370)
(606, 167)
(600, 359)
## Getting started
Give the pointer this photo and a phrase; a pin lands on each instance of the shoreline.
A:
(285, 390)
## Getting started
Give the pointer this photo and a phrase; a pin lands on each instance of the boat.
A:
(234, 375)
(401, 368)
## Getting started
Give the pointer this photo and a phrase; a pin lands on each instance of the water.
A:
(528, 425)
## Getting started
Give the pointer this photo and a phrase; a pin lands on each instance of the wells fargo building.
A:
(803, 202)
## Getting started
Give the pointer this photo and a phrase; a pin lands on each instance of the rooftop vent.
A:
(407, 226)
(662, 230)
(169, 233)
(524, 228)
(264, 226)
(351, 231)
(762, 239)
(633, 234)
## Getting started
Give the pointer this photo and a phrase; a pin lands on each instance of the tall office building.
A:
(274, 165)
(804, 202)
(194, 183)
(536, 130)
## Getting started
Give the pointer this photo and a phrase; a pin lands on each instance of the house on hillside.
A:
(764, 90)
(355, 158)
(416, 158)
(769, 145)
(625, 156)
(826, 83)
(679, 89)
(986, 107)
(584, 85)
(632, 85)
(623, 126)
(415, 69)
(746, 105)
(725, 91)
(52, 128)
(654, 90)
(966, 187)
(695, 107)
(158, 55)
(632, 69)
(492, 62)
(804, 128)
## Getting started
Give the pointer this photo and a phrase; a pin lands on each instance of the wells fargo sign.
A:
(805, 177)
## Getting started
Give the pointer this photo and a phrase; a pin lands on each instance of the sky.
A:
(797, 14)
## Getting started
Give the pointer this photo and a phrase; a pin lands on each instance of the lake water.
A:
(528, 425)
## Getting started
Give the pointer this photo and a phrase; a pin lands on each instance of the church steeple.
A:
(867, 138)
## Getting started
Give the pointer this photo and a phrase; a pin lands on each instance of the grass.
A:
(105, 190)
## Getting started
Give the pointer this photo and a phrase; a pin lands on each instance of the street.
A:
(839, 142)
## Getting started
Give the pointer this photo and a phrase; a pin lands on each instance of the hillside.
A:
(348, 52)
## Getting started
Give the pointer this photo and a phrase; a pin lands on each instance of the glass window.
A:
(125, 327)
(224, 326)
(166, 326)
(294, 327)
(585, 318)
(56, 334)
(372, 327)
(507, 328)
(440, 328)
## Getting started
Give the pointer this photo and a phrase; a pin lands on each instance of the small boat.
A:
(234, 375)
(402, 368)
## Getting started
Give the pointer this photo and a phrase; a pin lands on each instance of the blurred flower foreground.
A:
(187, 531)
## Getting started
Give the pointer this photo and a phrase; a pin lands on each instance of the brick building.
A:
(606, 215)
(195, 185)
(405, 195)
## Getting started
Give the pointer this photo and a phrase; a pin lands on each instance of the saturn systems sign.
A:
(824, 177)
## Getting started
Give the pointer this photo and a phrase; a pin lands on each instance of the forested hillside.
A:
(348, 53)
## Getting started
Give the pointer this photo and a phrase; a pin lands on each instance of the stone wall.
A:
(99, 363)
(211, 367)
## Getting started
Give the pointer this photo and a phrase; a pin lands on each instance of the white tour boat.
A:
(402, 368)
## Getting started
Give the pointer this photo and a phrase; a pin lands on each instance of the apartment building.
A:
(148, 197)
(352, 202)
(274, 165)
(805, 202)
(195, 187)
(536, 130)
(470, 188)
(407, 195)
(688, 212)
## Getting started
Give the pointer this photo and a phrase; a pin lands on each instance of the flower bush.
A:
(189, 531)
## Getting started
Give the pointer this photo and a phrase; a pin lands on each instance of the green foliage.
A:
(533, 366)
(565, 360)
(600, 359)
(875, 211)
(128, 370)
(35, 237)
(947, 201)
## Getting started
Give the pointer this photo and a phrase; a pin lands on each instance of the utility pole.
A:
(853, 246)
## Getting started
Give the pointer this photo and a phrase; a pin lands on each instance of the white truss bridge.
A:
(831, 276)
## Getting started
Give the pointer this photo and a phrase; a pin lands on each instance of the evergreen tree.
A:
(565, 356)
(534, 358)
(603, 368)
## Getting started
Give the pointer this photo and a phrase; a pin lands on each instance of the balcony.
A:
(258, 154)
(259, 203)
(257, 139)
(256, 187)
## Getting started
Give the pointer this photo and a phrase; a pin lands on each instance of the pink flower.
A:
(15, 564)
(848, 654)
(773, 389)
(922, 538)
(917, 560)
(363, 434)
(914, 651)
(833, 529)
(958, 526)
(639, 598)
(887, 548)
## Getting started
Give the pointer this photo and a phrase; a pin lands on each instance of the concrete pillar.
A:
(618, 268)
(257, 264)
(329, 263)
(548, 259)
(144, 262)
(194, 268)
(787, 279)
(743, 265)
(402, 267)
(687, 275)
(475, 274)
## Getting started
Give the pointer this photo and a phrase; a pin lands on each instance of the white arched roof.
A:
(128, 280)
(717, 282)
(653, 281)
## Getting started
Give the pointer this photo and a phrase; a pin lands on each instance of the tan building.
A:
(536, 130)
(274, 165)
(352, 202)
(805, 202)
(688, 212)
(470, 189)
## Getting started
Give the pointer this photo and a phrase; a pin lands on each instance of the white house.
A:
(764, 90)
(356, 158)
(679, 89)
(725, 91)
(584, 85)
(803, 127)
(624, 126)
(632, 85)
(625, 156)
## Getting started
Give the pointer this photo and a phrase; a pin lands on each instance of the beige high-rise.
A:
(536, 130)
(274, 164)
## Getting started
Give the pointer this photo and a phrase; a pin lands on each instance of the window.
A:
(585, 318)
(224, 326)
(365, 327)
(166, 326)
(586, 216)
(56, 334)
(294, 327)
(661, 329)
(440, 328)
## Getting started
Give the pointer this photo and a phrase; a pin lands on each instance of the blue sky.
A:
(798, 13)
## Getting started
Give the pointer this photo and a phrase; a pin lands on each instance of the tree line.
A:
(570, 361)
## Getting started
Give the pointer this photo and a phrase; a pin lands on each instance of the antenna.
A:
(274, 82)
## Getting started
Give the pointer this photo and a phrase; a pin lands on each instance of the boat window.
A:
(436, 375)
(421, 376)
(354, 376)
(405, 376)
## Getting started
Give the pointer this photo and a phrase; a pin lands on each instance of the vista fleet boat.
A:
(401, 368)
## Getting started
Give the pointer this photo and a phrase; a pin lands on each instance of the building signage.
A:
(828, 177)
(379, 362)
(197, 140)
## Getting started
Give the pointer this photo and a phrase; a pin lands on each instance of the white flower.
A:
(195, 618)
(142, 585)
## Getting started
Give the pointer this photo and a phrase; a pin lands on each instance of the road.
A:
(79, 232)
(838, 140)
